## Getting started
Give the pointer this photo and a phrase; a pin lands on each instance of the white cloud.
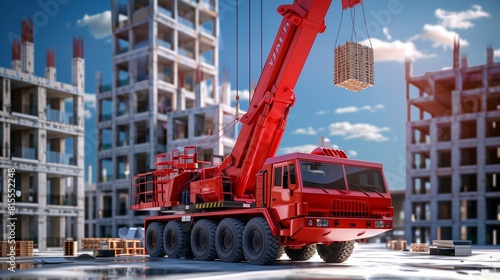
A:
(322, 112)
(361, 131)
(244, 94)
(352, 153)
(440, 36)
(353, 109)
(394, 51)
(460, 20)
(298, 149)
(99, 25)
(306, 131)
(496, 53)
(90, 104)
(87, 114)
(388, 36)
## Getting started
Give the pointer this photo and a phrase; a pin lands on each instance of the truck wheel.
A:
(259, 245)
(302, 254)
(174, 239)
(229, 240)
(203, 240)
(336, 252)
(154, 239)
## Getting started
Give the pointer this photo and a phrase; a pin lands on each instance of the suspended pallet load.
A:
(353, 67)
(353, 62)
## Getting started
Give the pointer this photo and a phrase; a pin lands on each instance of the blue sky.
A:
(368, 125)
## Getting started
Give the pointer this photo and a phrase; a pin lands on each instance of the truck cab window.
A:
(322, 175)
(292, 174)
(278, 171)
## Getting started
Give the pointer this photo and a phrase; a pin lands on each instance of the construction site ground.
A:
(369, 261)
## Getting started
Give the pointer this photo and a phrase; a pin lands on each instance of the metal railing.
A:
(59, 116)
(63, 200)
(56, 157)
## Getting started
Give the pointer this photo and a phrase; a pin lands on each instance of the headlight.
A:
(379, 224)
(322, 223)
(310, 223)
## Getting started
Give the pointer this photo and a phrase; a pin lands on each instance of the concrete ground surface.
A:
(369, 261)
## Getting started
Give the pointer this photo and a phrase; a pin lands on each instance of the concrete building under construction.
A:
(163, 95)
(41, 147)
(453, 152)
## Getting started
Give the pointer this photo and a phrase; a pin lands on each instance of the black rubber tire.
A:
(175, 240)
(281, 251)
(154, 239)
(336, 252)
(302, 254)
(259, 245)
(229, 240)
(203, 240)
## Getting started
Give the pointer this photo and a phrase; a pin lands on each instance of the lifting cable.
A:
(353, 18)
(249, 50)
(261, 35)
(236, 109)
(366, 27)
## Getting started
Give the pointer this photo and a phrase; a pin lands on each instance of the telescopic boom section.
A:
(265, 121)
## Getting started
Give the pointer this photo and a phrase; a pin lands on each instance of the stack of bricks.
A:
(353, 67)
(70, 248)
(397, 245)
(23, 248)
(95, 243)
(121, 247)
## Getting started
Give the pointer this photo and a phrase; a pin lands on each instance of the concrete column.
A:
(481, 179)
(28, 57)
(408, 193)
(455, 164)
(79, 220)
(5, 93)
(41, 102)
(40, 181)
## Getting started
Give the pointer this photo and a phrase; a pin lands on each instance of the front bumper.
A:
(328, 229)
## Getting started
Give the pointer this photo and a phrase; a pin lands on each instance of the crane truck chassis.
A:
(253, 205)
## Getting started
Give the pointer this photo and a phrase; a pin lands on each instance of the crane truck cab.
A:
(327, 197)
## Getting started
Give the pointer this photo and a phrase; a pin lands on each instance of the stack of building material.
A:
(419, 247)
(353, 66)
(23, 248)
(70, 248)
(397, 245)
(95, 243)
(132, 247)
(451, 247)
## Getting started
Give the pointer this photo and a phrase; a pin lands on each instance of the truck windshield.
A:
(322, 175)
(365, 179)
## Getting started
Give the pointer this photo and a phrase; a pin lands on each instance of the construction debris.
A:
(451, 247)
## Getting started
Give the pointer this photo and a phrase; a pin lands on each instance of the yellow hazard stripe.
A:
(209, 205)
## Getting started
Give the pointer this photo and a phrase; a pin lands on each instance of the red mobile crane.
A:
(254, 205)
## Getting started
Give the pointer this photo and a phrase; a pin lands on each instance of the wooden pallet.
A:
(353, 66)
